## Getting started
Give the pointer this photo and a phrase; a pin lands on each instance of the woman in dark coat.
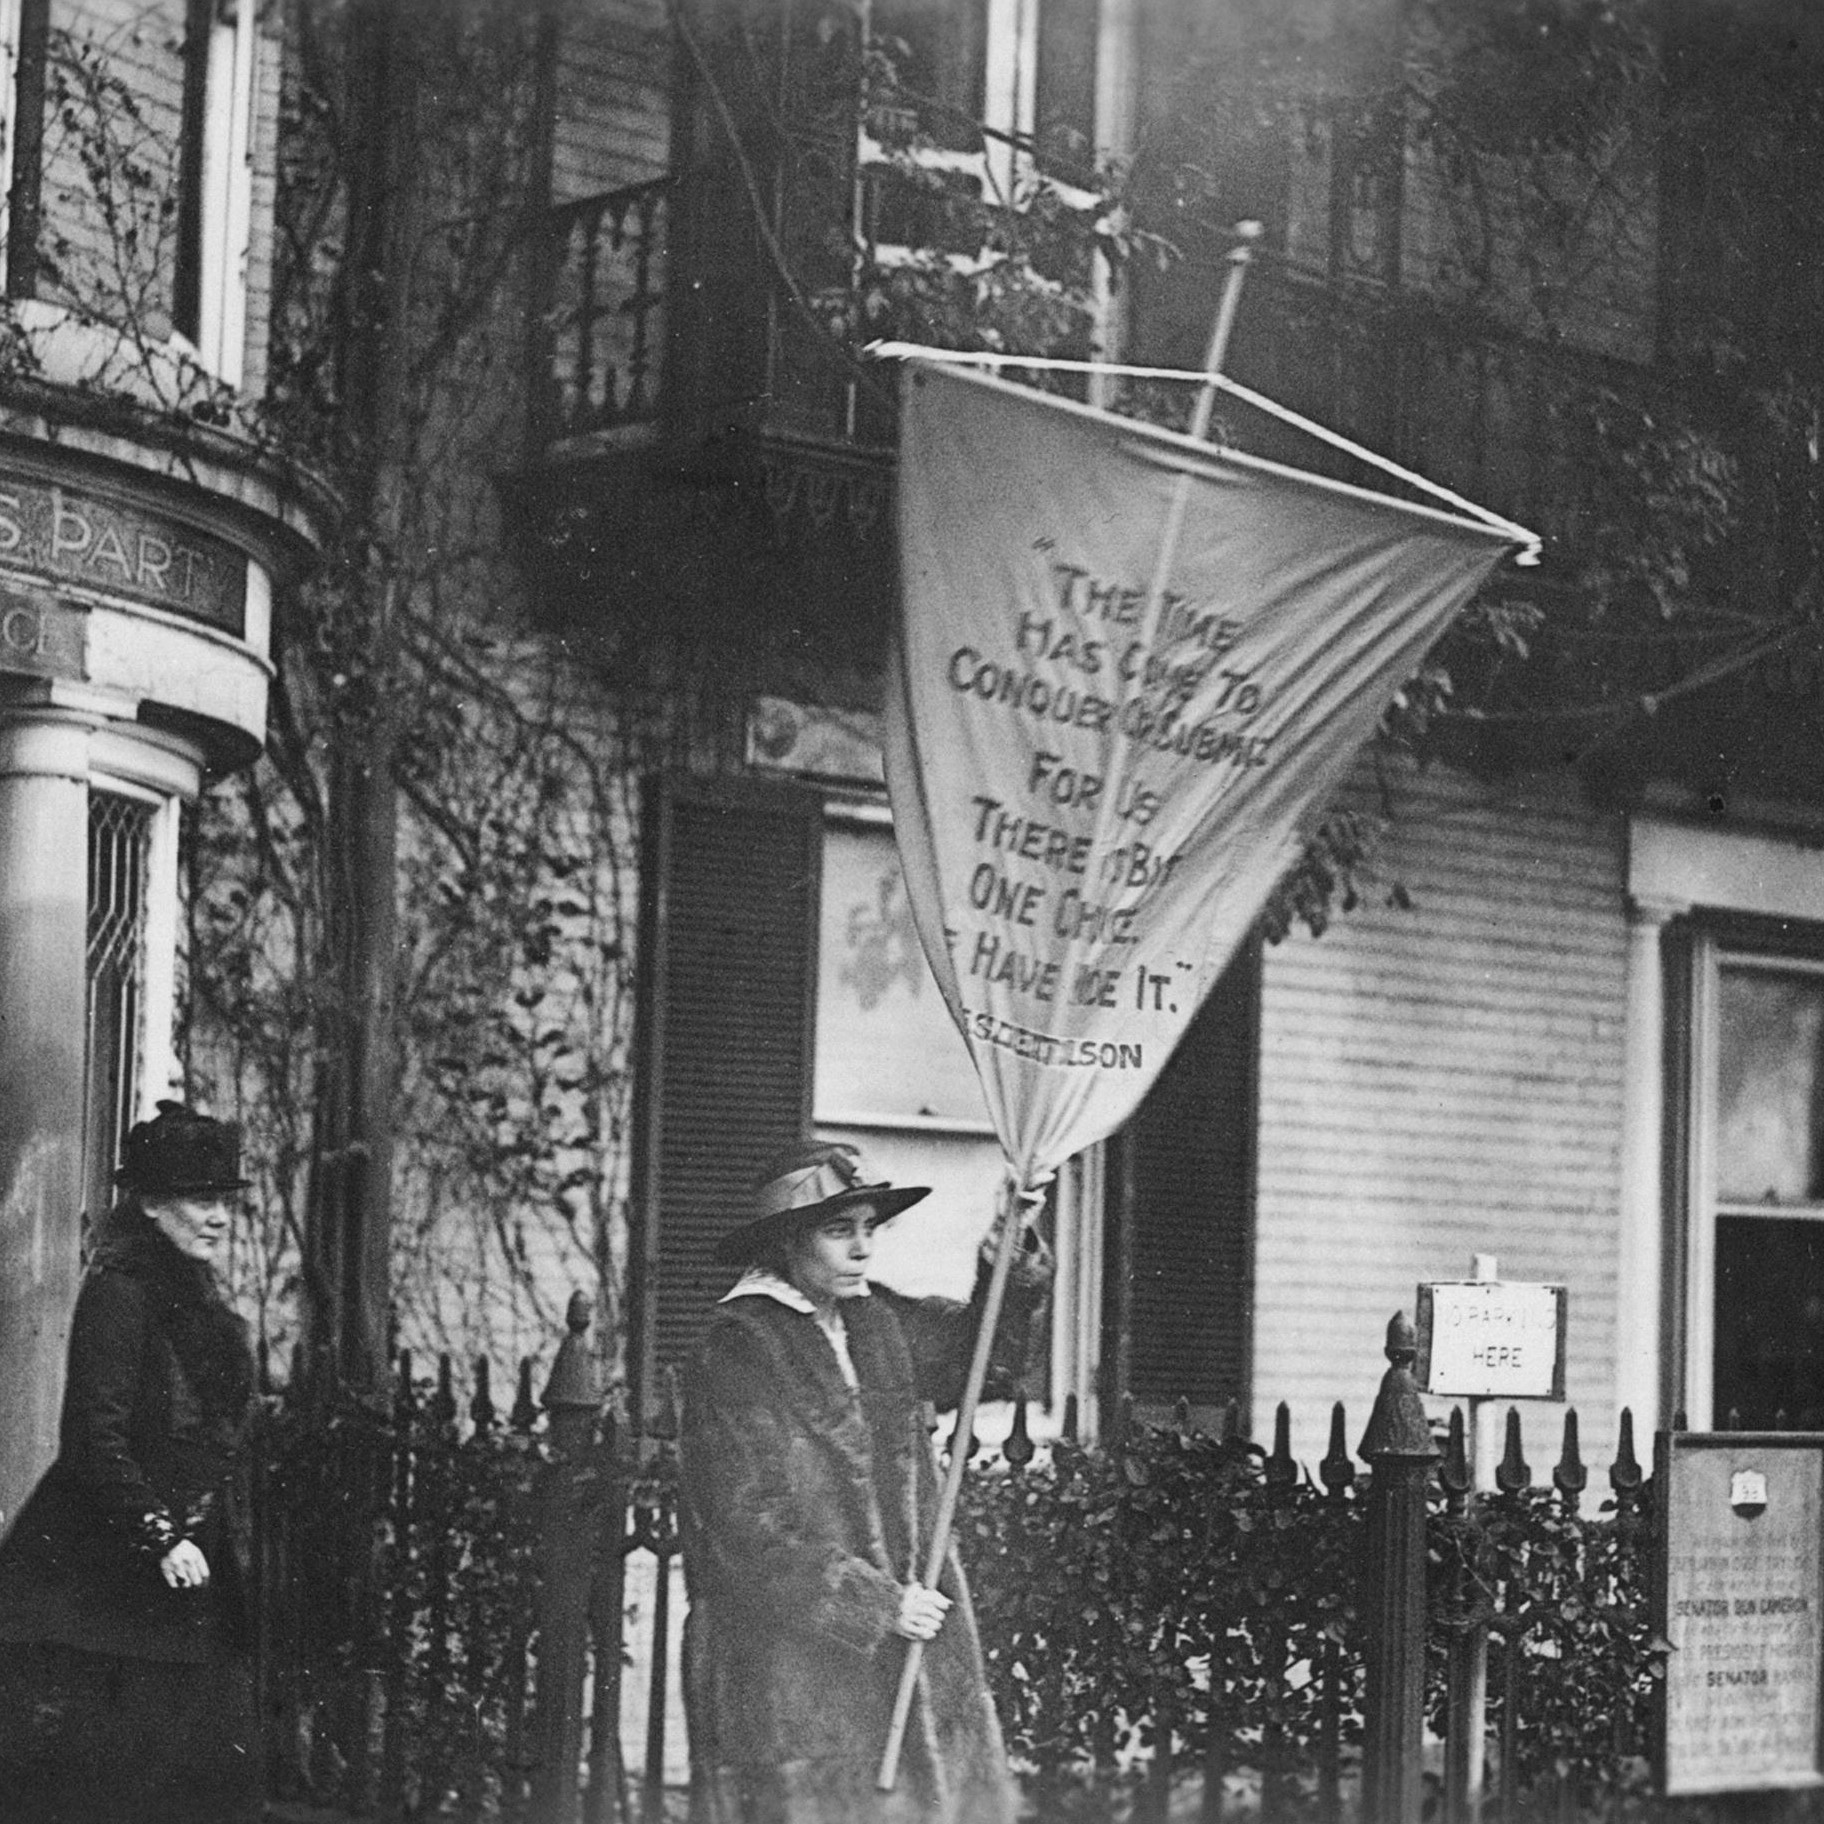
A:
(126, 1691)
(809, 1489)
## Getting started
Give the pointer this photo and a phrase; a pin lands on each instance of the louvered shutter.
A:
(727, 988)
(1184, 1189)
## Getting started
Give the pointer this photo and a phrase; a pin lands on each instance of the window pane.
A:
(119, 834)
(1768, 1083)
(1066, 124)
(886, 1045)
(937, 51)
(1769, 1322)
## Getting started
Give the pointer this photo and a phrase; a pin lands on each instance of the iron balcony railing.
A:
(651, 323)
(601, 328)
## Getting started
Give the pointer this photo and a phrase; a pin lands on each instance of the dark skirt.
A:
(95, 1738)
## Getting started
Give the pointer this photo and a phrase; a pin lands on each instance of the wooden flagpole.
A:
(1246, 234)
(1012, 1222)
(1012, 1226)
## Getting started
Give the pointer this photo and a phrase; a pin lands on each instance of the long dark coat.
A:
(155, 1414)
(806, 1505)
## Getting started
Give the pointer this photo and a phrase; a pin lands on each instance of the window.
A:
(215, 182)
(119, 861)
(1757, 1235)
(784, 986)
(1026, 71)
(892, 1072)
(22, 33)
(9, 88)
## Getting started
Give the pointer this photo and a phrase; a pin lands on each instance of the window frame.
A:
(1007, 156)
(215, 183)
(1717, 944)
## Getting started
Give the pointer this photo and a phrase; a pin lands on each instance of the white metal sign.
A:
(1491, 1339)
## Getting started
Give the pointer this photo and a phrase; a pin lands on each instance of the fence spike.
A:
(1338, 1467)
(1513, 1472)
(1070, 1418)
(573, 1384)
(265, 1366)
(1734, 1421)
(1569, 1476)
(1624, 1472)
(1679, 1421)
(405, 1395)
(1124, 1419)
(443, 1401)
(1455, 1472)
(1181, 1416)
(1281, 1470)
(1019, 1447)
(1780, 1421)
(1231, 1422)
(665, 1420)
(481, 1407)
(524, 1415)
(1396, 1425)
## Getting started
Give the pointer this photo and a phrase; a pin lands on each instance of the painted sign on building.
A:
(41, 635)
(1740, 1587)
(63, 536)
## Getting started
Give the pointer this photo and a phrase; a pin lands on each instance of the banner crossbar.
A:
(1530, 542)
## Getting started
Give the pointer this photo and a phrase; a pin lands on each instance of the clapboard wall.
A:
(613, 124)
(1442, 1081)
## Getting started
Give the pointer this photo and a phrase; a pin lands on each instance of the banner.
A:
(1098, 766)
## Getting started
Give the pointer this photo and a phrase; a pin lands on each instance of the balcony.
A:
(687, 407)
(665, 321)
(664, 333)
(597, 360)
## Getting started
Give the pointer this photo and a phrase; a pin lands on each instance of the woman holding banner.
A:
(808, 1493)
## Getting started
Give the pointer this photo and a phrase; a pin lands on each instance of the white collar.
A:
(761, 1282)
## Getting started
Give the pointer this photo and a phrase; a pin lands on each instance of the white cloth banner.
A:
(1098, 772)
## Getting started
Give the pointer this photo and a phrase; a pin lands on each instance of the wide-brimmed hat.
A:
(806, 1185)
(180, 1153)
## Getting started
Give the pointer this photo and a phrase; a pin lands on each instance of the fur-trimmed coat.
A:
(155, 1411)
(806, 1505)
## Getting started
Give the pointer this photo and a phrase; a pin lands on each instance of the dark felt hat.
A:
(179, 1153)
(802, 1188)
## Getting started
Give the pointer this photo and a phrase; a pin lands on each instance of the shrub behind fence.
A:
(1168, 1615)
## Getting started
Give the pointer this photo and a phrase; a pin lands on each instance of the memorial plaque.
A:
(1740, 1582)
(1491, 1339)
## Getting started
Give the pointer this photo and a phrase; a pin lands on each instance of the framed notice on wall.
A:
(1739, 1595)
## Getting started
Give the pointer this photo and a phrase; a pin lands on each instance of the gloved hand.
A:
(1033, 1266)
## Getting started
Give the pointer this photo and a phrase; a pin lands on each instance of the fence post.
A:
(1399, 1451)
(572, 1398)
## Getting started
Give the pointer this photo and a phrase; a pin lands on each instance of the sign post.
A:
(1480, 1340)
(1739, 1595)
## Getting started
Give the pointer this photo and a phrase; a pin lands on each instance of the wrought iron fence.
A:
(466, 1614)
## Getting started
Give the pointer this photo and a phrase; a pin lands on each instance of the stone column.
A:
(43, 1018)
(1640, 1288)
